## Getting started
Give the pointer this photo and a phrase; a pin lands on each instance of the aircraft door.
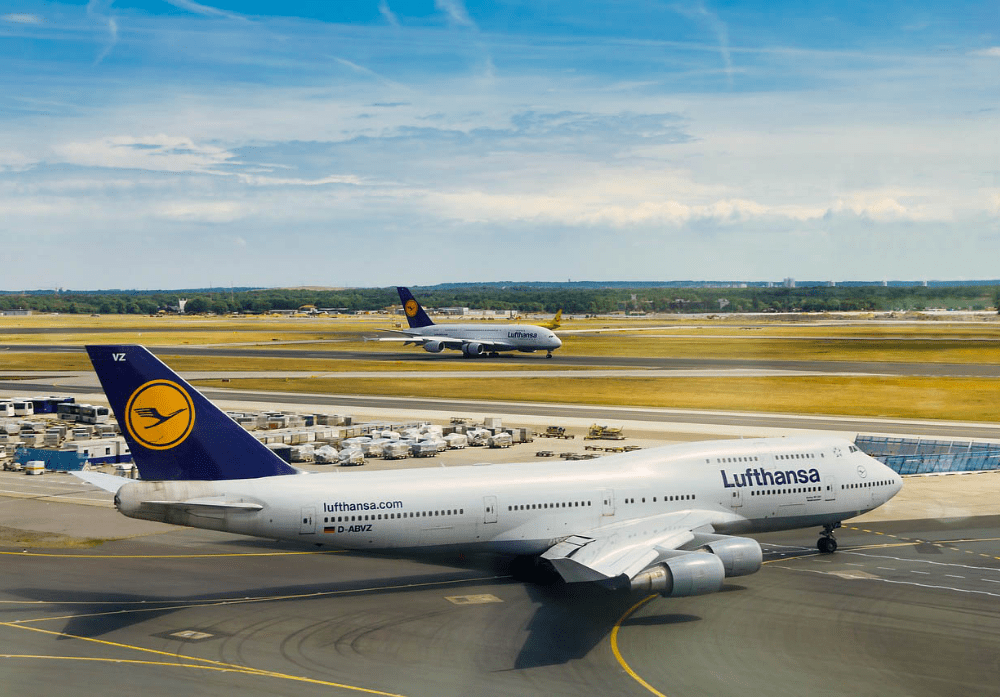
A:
(830, 493)
(489, 509)
(607, 502)
(308, 518)
(735, 498)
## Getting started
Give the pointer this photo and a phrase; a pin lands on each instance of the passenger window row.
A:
(797, 490)
(537, 506)
(666, 499)
(392, 516)
(864, 485)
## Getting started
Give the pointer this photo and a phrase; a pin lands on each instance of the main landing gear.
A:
(827, 542)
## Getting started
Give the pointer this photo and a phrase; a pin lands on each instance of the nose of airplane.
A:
(889, 474)
(556, 341)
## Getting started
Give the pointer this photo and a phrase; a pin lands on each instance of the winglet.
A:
(415, 315)
(174, 432)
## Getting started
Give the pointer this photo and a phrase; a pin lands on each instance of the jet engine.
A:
(473, 348)
(682, 574)
(433, 346)
(741, 556)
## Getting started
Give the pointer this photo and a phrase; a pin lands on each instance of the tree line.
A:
(523, 299)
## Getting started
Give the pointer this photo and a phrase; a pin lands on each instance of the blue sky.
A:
(156, 144)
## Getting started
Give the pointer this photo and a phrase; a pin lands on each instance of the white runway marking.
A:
(927, 561)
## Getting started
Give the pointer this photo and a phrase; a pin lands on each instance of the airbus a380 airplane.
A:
(665, 520)
(470, 339)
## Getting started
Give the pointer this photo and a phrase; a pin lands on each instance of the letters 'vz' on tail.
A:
(174, 432)
(415, 315)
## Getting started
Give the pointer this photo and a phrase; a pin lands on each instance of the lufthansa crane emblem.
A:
(159, 415)
(411, 308)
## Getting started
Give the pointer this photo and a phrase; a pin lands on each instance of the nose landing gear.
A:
(827, 543)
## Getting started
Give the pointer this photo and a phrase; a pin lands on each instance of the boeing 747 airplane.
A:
(470, 339)
(670, 520)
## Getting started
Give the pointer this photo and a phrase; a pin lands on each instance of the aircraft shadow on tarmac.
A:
(95, 614)
(568, 621)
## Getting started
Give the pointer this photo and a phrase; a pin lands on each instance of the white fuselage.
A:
(519, 337)
(525, 508)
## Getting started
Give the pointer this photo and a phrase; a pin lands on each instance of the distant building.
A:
(15, 313)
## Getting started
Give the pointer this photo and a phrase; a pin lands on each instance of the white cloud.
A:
(712, 21)
(257, 180)
(202, 211)
(387, 13)
(456, 12)
(573, 209)
(205, 10)
(97, 8)
(21, 18)
(160, 153)
(992, 52)
(13, 161)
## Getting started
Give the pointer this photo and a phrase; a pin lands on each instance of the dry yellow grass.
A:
(10, 360)
(965, 399)
(930, 342)
(26, 361)
(819, 349)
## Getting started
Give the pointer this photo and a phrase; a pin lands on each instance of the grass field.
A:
(907, 397)
(821, 348)
(27, 361)
(730, 338)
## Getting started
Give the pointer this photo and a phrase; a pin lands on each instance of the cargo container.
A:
(395, 450)
(456, 441)
(500, 440)
(351, 456)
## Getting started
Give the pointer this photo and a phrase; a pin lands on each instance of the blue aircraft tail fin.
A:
(415, 315)
(174, 432)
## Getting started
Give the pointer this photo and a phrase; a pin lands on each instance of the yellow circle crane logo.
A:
(159, 415)
(411, 308)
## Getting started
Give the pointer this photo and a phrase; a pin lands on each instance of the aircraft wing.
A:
(445, 341)
(625, 548)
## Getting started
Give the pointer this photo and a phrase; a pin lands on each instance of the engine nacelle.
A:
(433, 346)
(473, 348)
(740, 556)
(685, 573)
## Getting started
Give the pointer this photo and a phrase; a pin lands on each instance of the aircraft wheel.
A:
(827, 545)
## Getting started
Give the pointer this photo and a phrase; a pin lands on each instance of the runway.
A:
(905, 608)
(416, 356)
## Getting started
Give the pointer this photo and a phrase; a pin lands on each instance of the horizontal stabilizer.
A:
(194, 505)
(108, 482)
